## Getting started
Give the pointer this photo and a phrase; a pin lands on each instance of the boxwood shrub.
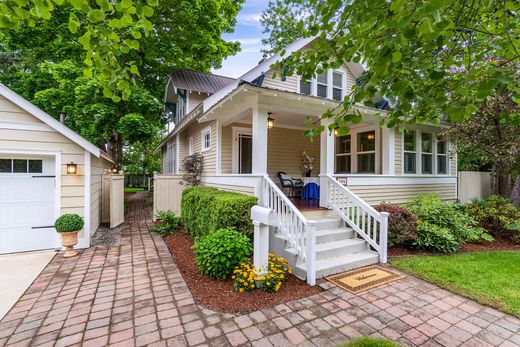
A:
(206, 209)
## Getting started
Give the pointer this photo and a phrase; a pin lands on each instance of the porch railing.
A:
(368, 223)
(292, 225)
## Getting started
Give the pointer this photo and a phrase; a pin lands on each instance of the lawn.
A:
(491, 278)
(133, 189)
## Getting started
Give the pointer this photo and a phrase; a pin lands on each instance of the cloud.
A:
(250, 42)
(252, 19)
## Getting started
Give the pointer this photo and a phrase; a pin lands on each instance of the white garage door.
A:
(27, 204)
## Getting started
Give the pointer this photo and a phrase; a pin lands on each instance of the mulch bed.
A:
(219, 295)
(498, 244)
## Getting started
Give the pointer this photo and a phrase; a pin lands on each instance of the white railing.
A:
(368, 223)
(292, 225)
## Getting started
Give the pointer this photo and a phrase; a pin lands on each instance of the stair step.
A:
(336, 234)
(334, 265)
(338, 248)
(327, 223)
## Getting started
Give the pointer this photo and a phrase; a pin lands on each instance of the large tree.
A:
(46, 64)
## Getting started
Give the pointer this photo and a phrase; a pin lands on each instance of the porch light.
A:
(113, 169)
(371, 136)
(270, 121)
(336, 131)
(72, 168)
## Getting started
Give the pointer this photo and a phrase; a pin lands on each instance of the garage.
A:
(27, 203)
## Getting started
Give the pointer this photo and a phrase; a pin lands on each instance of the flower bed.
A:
(219, 295)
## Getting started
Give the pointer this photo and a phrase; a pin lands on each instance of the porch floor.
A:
(306, 204)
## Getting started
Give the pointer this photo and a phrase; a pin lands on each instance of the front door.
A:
(242, 151)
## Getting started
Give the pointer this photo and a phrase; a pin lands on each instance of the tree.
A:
(116, 35)
(435, 60)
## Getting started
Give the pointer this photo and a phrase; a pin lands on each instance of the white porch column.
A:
(177, 154)
(388, 151)
(219, 148)
(259, 115)
(326, 160)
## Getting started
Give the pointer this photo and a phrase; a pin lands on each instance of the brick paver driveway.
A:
(133, 294)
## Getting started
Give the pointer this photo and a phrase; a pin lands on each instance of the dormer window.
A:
(306, 87)
(329, 84)
(337, 85)
(322, 84)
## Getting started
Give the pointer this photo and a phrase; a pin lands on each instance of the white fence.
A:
(474, 184)
(113, 200)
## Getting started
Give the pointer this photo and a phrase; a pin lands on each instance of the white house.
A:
(253, 128)
(46, 170)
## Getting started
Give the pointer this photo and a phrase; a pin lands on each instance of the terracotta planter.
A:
(69, 240)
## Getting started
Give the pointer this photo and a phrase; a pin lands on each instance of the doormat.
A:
(359, 280)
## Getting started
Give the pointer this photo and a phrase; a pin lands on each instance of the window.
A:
(442, 157)
(426, 153)
(337, 85)
(21, 166)
(410, 153)
(322, 82)
(366, 152)
(343, 154)
(190, 145)
(305, 87)
(205, 137)
(171, 156)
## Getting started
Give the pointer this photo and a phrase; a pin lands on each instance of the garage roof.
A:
(50, 121)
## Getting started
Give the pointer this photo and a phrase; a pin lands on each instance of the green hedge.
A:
(207, 209)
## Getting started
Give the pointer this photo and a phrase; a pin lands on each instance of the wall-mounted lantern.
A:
(336, 131)
(270, 121)
(72, 169)
(113, 169)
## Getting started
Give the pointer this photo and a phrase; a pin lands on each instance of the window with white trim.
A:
(305, 87)
(337, 85)
(442, 157)
(366, 152)
(343, 154)
(328, 84)
(21, 166)
(322, 84)
(190, 145)
(427, 153)
(171, 157)
(410, 152)
(205, 139)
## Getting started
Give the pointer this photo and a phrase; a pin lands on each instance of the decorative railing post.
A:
(383, 234)
(310, 258)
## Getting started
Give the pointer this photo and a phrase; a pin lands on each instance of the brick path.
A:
(133, 294)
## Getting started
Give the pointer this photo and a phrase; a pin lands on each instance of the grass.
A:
(134, 189)
(491, 278)
(370, 342)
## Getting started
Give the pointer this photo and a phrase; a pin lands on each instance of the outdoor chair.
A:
(295, 185)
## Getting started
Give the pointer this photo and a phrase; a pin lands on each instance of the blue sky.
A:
(249, 32)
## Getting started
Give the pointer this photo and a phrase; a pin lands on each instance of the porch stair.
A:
(338, 248)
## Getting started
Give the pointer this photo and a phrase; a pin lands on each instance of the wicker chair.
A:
(295, 185)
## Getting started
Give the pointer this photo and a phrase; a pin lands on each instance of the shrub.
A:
(244, 276)
(68, 223)
(402, 224)
(220, 251)
(207, 209)
(430, 208)
(276, 274)
(169, 223)
(192, 167)
(498, 215)
(435, 238)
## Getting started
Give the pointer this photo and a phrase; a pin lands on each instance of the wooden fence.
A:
(167, 193)
(474, 184)
(113, 200)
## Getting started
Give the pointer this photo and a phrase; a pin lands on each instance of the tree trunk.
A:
(503, 180)
(515, 194)
(115, 149)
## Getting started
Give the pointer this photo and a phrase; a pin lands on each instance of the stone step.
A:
(346, 262)
(327, 223)
(338, 248)
(336, 234)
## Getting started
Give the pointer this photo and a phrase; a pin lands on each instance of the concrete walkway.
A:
(17, 272)
(133, 294)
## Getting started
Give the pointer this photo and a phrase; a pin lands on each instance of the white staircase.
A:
(318, 243)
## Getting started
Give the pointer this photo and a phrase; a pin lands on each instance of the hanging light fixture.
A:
(72, 168)
(270, 121)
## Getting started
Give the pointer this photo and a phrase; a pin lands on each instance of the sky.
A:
(249, 32)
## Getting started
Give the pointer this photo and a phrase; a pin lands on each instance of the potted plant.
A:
(68, 227)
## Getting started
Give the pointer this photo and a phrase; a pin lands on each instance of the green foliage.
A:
(169, 223)
(413, 51)
(370, 342)
(220, 251)
(447, 217)
(433, 237)
(498, 215)
(207, 209)
(192, 166)
(402, 224)
(277, 271)
(68, 223)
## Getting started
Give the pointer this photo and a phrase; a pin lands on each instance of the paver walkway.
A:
(133, 294)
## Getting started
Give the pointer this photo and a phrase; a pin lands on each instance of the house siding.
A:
(194, 99)
(210, 156)
(399, 194)
(398, 152)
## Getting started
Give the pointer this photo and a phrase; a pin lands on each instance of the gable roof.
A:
(50, 121)
(199, 81)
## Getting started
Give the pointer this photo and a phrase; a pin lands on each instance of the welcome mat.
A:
(359, 280)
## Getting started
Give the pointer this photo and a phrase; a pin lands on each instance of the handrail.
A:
(370, 224)
(292, 225)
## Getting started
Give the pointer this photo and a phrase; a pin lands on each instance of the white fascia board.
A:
(47, 119)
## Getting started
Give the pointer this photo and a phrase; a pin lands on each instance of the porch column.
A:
(326, 160)
(388, 151)
(259, 131)
(219, 148)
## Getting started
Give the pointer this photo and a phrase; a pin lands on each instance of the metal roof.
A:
(199, 81)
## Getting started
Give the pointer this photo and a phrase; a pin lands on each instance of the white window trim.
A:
(418, 156)
(203, 134)
(236, 132)
(354, 152)
(446, 155)
(190, 145)
(330, 86)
